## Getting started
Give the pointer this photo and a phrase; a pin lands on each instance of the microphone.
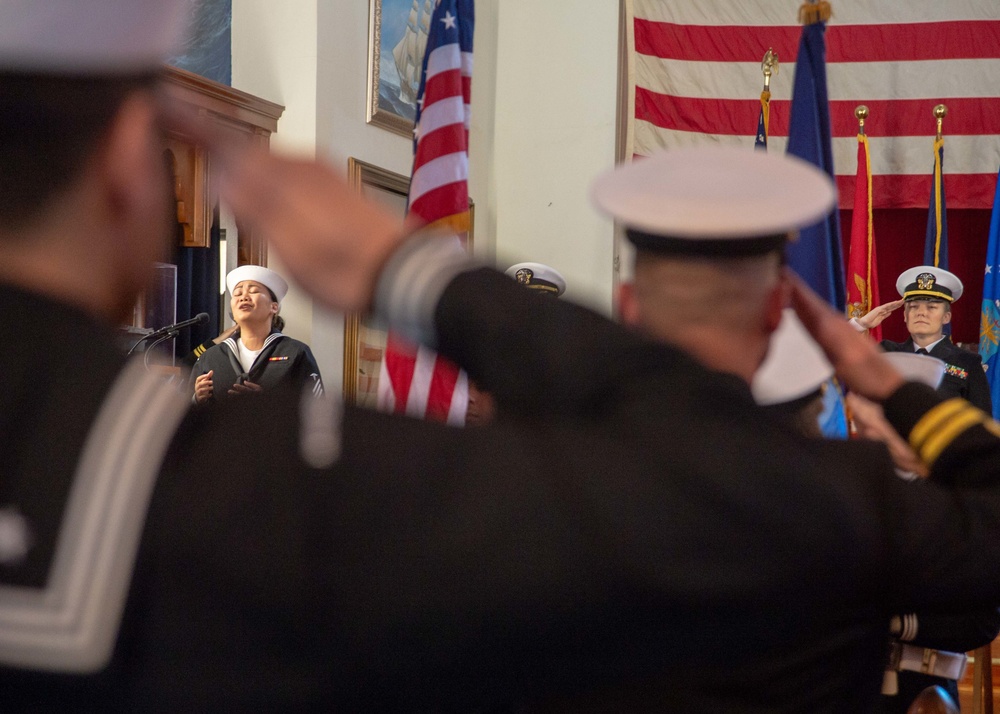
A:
(200, 319)
(165, 332)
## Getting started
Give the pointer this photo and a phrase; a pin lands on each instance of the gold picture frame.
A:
(364, 342)
(397, 31)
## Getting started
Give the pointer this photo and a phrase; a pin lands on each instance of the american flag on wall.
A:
(697, 71)
(415, 380)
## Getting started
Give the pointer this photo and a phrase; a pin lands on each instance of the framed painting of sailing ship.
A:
(397, 39)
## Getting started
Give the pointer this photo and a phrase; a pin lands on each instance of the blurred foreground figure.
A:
(926, 648)
(348, 560)
(542, 280)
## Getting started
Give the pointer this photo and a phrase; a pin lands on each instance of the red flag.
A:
(862, 273)
(414, 380)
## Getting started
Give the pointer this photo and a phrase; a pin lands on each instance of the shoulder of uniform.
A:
(969, 357)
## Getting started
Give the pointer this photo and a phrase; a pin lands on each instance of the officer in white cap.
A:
(538, 276)
(928, 648)
(709, 248)
(927, 294)
(258, 356)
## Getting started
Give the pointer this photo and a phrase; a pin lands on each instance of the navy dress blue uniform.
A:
(963, 377)
(283, 361)
(414, 567)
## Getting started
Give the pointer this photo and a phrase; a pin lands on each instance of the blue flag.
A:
(936, 243)
(817, 255)
(989, 323)
(833, 418)
(760, 141)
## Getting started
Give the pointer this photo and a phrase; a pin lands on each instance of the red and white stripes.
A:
(697, 77)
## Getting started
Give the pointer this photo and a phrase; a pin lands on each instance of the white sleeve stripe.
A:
(412, 282)
(72, 624)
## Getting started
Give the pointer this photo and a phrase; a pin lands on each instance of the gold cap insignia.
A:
(524, 276)
(925, 281)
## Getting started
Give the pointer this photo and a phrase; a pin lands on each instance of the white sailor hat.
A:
(795, 366)
(918, 368)
(538, 276)
(714, 199)
(265, 276)
(929, 283)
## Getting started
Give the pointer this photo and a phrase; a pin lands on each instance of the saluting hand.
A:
(203, 387)
(877, 315)
(858, 361)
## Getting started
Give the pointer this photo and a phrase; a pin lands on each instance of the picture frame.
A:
(397, 38)
(364, 341)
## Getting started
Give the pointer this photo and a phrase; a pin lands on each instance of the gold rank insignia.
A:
(524, 276)
(925, 281)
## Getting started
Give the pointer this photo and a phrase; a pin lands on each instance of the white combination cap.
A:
(714, 199)
(918, 368)
(927, 282)
(538, 276)
(265, 276)
(795, 365)
(81, 37)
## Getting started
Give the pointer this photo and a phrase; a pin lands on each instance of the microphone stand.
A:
(138, 342)
(145, 358)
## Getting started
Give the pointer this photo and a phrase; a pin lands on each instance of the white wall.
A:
(556, 70)
(543, 125)
(274, 57)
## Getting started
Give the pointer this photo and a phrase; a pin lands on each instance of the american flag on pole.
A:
(693, 63)
(415, 380)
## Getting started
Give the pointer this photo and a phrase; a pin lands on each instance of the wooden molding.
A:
(240, 114)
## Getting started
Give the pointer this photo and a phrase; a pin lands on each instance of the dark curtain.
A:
(899, 244)
(198, 290)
